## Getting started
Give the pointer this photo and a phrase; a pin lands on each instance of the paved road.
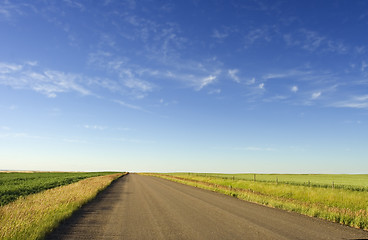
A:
(142, 207)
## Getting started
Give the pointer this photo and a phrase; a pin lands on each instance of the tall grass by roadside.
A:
(340, 205)
(16, 184)
(34, 216)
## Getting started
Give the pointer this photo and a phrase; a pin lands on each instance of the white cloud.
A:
(251, 81)
(262, 33)
(294, 88)
(215, 91)
(233, 74)
(255, 149)
(360, 50)
(95, 127)
(139, 85)
(288, 74)
(75, 4)
(13, 107)
(32, 63)
(20, 135)
(9, 9)
(49, 82)
(131, 106)
(275, 98)
(138, 141)
(364, 66)
(206, 81)
(312, 40)
(9, 68)
(360, 102)
(261, 85)
(73, 140)
(218, 35)
(5, 13)
(316, 95)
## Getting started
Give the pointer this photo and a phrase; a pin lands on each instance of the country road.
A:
(142, 207)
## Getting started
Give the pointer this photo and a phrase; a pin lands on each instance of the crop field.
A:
(337, 198)
(16, 184)
(35, 215)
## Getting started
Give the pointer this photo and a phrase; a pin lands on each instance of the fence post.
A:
(333, 185)
(254, 177)
(277, 180)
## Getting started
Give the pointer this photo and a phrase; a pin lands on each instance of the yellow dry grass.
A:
(34, 216)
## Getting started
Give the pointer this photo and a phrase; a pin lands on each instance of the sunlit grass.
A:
(340, 205)
(16, 184)
(345, 181)
(34, 216)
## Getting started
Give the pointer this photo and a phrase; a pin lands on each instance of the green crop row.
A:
(36, 215)
(16, 184)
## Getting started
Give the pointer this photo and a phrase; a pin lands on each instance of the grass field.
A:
(35, 215)
(358, 182)
(345, 202)
(16, 184)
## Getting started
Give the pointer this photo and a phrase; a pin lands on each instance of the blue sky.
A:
(206, 86)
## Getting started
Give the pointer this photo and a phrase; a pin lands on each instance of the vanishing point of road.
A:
(143, 207)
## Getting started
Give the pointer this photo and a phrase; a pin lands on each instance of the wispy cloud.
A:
(258, 34)
(215, 91)
(255, 149)
(219, 35)
(9, 68)
(316, 95)
(261, 85)
(131, 106)
(139, 85)
(9, 9)
(251, 81)
(360, 102)
(132, 140)
(364, 66)
(75, 4)
(47, 82)
(205, 81)
(94, 127)
(294, 88)
(275, 98)
(17, 135)
(313, 41)
(293, 73)
(233, 75)
(74, 140)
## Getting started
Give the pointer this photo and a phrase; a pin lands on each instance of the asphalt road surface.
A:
(142, 207)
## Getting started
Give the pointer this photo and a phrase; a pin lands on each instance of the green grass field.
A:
(34, 216)
(16, 184)
(358, 182)
(345, 201)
